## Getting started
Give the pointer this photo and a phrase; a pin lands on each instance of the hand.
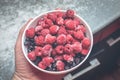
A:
(23, 70)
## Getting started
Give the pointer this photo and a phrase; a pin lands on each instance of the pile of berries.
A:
(58, 41)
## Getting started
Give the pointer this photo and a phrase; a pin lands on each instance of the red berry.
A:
(54, 53)
(86, 43)
(60, 14)
(71, 32)
(81, 27)
(54, 29)
(41, 23)
(84, 51)
(62, 30)
(58, 57)
(60, 65)
(39, 40)
(31, 55)
(79, 35)
(59, 49)
(70, 13)
(38, 28)
(69, 39)
(52, 16)
(67, 57)
(46, 50)
(41, 65)
(69, 24)
(49, 39)
(77, 21)
(60, 21)
(77, 47)
(61, 39)
(44, 32)
(38, 51)
(49, 22)
(30, 32)
(68, 49)
(47, 60)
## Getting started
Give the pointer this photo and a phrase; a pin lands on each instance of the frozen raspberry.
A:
(41, 23)
(54, 29)
(70, 13)
(59, 49)
(38, 51)
(49, 39)
(42, 65)
(61, 39)
(62, 30)
(60, 65)
(79, 35)
(49, 22)
(58, 57)
(32, 56)
(39, 40)
(70, 24)
(77, 47)
(47, 60)
(60, 14)
(67, 57)
(44, 32)
(84, 51)
(68, 49)
(46, 50)
(81, 27)
(86, 43)
(38, 28)
(60, 21)
(69, 39)
(52, 16)
(76, 21)
(30, 32)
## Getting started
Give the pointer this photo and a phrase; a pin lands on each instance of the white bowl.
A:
(33, 24)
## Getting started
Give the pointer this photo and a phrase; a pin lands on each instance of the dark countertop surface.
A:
(14, 13)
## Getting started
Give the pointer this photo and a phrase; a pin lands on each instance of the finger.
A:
(18, 44)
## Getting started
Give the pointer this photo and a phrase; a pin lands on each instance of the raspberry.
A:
(49, 22)
(39, 40)
(62, 30)
(81, 27)
(46, 50)
(52, 16)
(60, 65)
(79, 35)
(41, 23)
(30, 32)
(38, 28)
(71, 32)
(58, 57)
(61, 39)
(59, 49)
(60, 21)
(70, 24)
(84, 51)
(70, 13)
(86, 43)
(76, 21)
(60, 14)
(68, 49)
(69, 39)
(44, 32)
(54, 29)
(67, 57)
(54, 53)
(32, 56)
(49, 39)
(77, 47)
(42, 65)
(47, 60)
(38, 51)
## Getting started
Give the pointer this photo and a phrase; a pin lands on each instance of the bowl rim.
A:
(64, 71)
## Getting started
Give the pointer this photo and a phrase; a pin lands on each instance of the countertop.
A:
(14, 13)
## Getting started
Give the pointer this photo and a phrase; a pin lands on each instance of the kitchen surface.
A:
(14, 13)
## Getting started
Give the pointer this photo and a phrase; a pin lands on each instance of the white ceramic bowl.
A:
(33, 24)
